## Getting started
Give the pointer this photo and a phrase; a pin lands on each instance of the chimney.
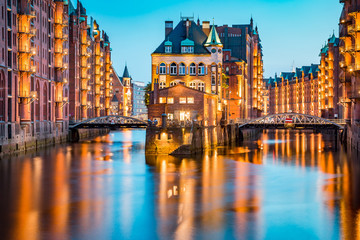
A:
(188, 25)
(168, 27)
(206, 27)
(156, 91)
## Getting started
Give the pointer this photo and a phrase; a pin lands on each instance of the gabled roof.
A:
(178, 35)
(213, 38)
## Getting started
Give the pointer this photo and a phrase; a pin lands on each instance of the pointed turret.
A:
(213, 39)
(126, 72)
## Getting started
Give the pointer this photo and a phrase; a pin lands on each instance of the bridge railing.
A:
(338, 121)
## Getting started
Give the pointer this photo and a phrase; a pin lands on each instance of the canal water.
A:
(286, 185)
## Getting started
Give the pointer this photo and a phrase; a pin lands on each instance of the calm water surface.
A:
(287, 185)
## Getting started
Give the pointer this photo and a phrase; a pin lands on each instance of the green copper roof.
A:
(168, 43)
(187, 42)
(213, 38)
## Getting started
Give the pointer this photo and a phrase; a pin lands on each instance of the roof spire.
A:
(213, 38)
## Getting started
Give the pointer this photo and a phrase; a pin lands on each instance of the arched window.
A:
(2, 97)
(176, 82)
(227, 70)
(201, 86)
(45, 100)
(162, 68)
(193, 85)
(192, 69)
(37, 102)
(162, 85)
(182, 69)
(173, 69)
(201, 69)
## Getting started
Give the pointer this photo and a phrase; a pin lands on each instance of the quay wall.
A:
(193, 140)
(353, 135)
(25, 141)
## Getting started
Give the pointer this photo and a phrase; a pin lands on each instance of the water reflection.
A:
(286, 185)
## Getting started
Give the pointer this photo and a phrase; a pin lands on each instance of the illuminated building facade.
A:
(33, 74)
(244, 43)
(295, 91)
(127, 93)
(117, 102)
(313, 90)
(187, 74)
(90, 67)
(350, 67)
(139, 109)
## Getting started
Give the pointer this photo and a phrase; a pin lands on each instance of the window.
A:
(168, 49)
(227, 57)
(187, 49)
(174, 83)
(182, 69)
(190, 100)
(182, 100)
(192, 69)
(170, 116)
(162, 100)
(162, 68)
(173, 69)
(170, 100)
(193, 85)
(162, 85)
(201, 86)
(201, 69)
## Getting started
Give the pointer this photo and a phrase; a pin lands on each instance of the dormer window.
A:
(187, 46)
(168, 49)
(168, 46)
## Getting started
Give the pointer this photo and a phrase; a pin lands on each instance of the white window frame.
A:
(201, 69)
(162, 69)
(173, 69)
(193, 69)
(182, 69)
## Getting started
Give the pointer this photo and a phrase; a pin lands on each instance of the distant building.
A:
(139, 109)
(126, 81)
(313, 90)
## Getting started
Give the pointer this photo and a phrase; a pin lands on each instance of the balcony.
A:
(27, 30)
(354, 67)
(354, 95)
(27, 68)
(353, 28)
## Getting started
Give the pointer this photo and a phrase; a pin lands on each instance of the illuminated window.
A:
(173, 69)
(170, 116)
(182, 100)
(193, 85)
(162, 100)
(201, 69)
(190, 100)
(182, 69)
(162, 68)
(192, 69)
(170, 100)
(201, 86)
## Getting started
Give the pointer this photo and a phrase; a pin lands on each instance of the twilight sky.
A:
(290, 30)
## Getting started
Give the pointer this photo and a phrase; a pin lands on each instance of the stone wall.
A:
(192, 140)
(77, 135)
(353, 135)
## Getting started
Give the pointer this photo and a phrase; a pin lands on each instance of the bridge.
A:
(293, 121)
(112, 122)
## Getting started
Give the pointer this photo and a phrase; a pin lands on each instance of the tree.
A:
(147, 94)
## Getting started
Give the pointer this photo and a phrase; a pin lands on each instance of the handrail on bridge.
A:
(297, 118)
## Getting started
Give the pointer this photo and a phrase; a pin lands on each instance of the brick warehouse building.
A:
(349, 29)
(37, 72)
(33, 75)
(90, 72)
(244, 66)
(186, 71)
(313, 90)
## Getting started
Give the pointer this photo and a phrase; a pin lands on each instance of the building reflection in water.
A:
(104, 188)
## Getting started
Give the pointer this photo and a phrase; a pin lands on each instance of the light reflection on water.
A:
(286, 185)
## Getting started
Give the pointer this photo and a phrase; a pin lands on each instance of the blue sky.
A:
(290, 30)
